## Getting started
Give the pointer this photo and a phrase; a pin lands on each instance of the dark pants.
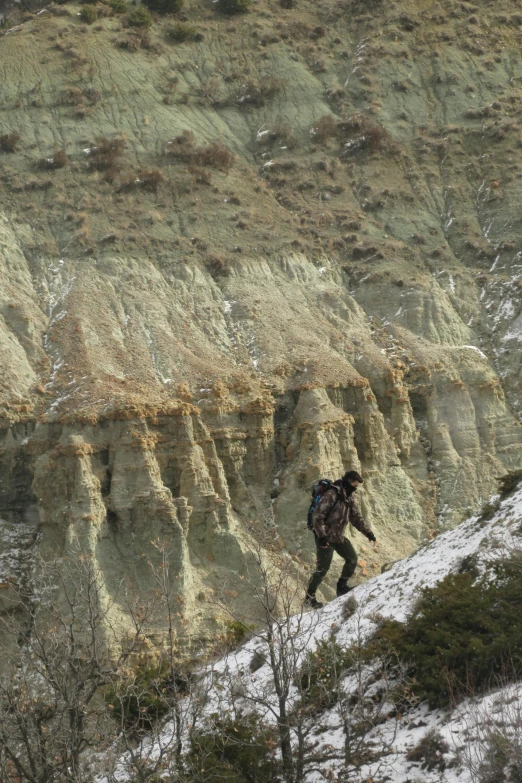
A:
(324, 561)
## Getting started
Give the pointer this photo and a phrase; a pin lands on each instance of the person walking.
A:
(336, 508)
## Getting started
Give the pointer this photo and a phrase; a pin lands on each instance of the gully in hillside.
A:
(331, 510)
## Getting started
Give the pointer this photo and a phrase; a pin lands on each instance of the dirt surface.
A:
(234, 264)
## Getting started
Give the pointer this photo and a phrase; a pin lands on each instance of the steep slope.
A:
(465, 733)
(234, 264)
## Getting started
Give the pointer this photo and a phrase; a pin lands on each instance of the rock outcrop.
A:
(189, 337)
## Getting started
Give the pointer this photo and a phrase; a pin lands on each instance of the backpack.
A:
(318, 490)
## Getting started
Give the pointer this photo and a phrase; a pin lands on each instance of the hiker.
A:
(335, 509)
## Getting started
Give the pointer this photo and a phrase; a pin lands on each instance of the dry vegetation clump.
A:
(140, 39)
(147, 179)
(287, 3)
(281, 133)
(356, 133)
(57, 161)
(259, 91)
(9, 141)
(326, 128)
(216, 155)
(74, 96)
(218, 265)
(104, 153)
(363, 134)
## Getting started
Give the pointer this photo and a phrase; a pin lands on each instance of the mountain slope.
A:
(234, 264)
(464, 734)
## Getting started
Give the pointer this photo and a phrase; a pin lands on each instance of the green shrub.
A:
(88, 14)
(165, 6)
(236, 632)
(119, 6)
(182, 31)
(462, 634)
(140, 17)
(233, 6)
(240, 750)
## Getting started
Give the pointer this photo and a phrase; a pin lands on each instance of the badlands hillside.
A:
(285, 246)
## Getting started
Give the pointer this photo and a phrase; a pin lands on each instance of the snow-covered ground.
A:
(393, 595)
(243, 681)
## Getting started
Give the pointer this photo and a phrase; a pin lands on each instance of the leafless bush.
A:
(361, 133)
(259, 91)
(57, 161)
(325, 128)
(105, 153)
(9, 141)
(216, 155)
(147, 179)
(490, 737)
(218, 265)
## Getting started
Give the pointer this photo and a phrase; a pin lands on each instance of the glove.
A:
(323, 543)
(370, 536)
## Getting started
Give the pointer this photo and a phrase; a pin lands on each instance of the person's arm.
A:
(320, 514)
(358, 521)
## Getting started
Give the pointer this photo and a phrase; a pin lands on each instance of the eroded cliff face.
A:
(184, 354)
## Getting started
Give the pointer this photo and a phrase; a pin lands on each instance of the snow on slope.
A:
(393, 595)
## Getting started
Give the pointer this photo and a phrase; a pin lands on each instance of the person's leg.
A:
(324, 560)
(349, 555)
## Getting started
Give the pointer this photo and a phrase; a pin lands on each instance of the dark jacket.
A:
(330, 517)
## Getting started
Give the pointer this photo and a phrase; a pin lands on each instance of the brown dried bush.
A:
(9, 141)
(150, 179)
(218, 265)
(361, 133)
(258, 92)
(57, 161)
(201, 176)
(216, 155)
(105, 152)
(325, 128)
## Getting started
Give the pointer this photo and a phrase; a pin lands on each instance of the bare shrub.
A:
(361, 133)
(57, 161)
(430, 751)
(216, 155)
(104, 154)
(151, 179)
(218, 265)
(325, 128)
(9, 141)
(259, 91)
(200, 176)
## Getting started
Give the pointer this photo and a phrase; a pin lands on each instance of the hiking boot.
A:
(343, 588)
(311, 600)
